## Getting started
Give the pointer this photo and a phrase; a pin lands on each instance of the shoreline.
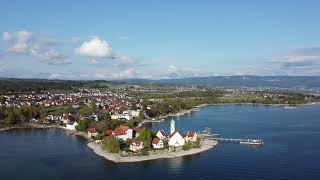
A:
(159, 119)
(41, 126)
(161, 154)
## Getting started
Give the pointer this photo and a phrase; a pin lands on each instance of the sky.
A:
(158, 39)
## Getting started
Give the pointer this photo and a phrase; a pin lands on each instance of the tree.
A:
(104, 116)
(141, 114)
(71, 110)
(105, 124)
(85, 110)
(187, 146)
(83, 124)
(94, 107)
(9, 117)
(145, 136)
(2, 99)
(110, 144)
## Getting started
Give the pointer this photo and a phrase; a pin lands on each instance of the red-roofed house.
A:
(161, 135)
(123, 133)
(136, 145)
(157, 143)
(191, 136)
(92, 132)
(176, 140)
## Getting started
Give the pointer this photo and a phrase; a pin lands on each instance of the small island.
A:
(132, 145)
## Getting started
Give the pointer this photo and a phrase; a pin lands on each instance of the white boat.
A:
(290, 107)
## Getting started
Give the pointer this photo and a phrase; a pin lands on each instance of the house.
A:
(123, 133)
(176, 140)
(133, 113)
(34, 120)
(50, 117)
(125, 117)
(191, 136)
(94, 117)
(92, 132)
(161, 135)
(136, 145)
(157, 143)
(71, 125)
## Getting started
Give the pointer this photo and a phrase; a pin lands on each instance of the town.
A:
(113, 118)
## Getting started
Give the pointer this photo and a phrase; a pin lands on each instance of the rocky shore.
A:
(162, 154)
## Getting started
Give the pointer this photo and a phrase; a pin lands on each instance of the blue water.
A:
(291, 150)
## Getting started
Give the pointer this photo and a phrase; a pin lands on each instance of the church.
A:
(175, 138)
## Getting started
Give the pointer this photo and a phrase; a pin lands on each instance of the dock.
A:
(206, 134)
(238, 140)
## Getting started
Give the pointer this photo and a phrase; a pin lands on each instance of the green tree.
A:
(94, 107)
(85, 110)
(141, 114)
(110, 144)
(145, 136)
(83, 124)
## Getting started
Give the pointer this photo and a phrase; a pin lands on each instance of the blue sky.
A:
(158, 39)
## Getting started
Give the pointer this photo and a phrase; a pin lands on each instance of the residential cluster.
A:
(108, 101)
(123, 133)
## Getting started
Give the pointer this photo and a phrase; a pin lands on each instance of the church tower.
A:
(172, 126)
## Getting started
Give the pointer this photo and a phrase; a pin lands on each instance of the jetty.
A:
(206, 134)
(238, 140)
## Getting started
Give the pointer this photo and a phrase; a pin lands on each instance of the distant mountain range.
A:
(298, 82)
(307, 82)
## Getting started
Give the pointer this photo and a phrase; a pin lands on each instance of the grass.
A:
(237, 98)
(57, 110)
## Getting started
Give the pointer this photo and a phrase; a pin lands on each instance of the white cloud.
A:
(95, 47)
(299, 58)
(297, 61)
(35, 45)
(181, 72)
(125, 61)
(129, 73)
(50, 56)
(94, 61)
(18, 41)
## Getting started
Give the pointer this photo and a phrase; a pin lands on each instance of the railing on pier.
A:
(238, 140)
(206, 134)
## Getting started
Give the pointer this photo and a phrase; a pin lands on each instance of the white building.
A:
(126, 117)
(136, 145)
(161, 135)
(92, 132)
(133, 113)
(94, 117)
(175, 138)
(123, 133)
(71, 125)
(157, 143)
(172, 126)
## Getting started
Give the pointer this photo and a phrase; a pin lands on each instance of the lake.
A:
(291, 150)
